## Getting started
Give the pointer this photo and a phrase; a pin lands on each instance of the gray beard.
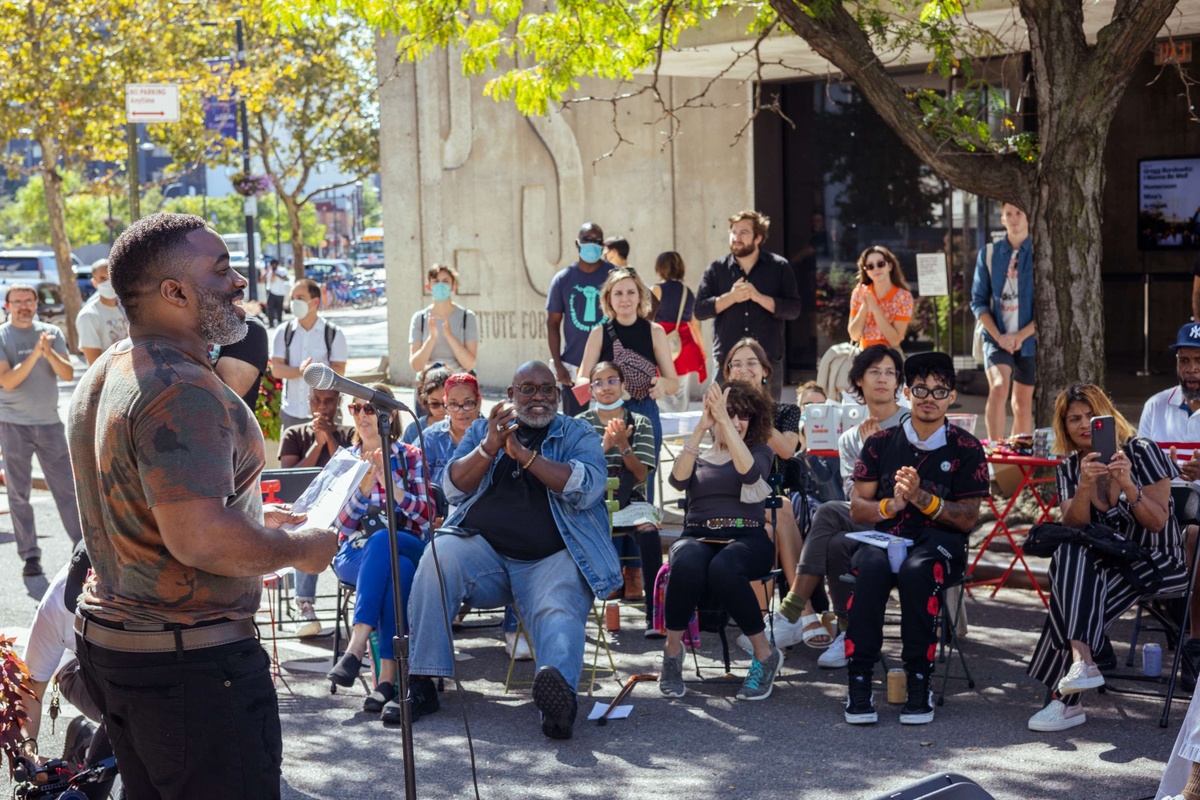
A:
(219, 323)
(533, 420)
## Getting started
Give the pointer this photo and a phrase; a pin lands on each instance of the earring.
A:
(764, 381)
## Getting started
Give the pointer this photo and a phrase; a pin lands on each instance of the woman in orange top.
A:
(881, 305)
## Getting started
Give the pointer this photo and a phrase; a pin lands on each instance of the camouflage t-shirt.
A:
(150, 424)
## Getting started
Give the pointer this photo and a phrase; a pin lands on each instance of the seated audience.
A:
(364, 558)
(313, 443)
(552, 559)
(875, 377)
(724, 544)
(430, 390)
(461, 398)
(628, 442)
(1132, 495)
(923, 481)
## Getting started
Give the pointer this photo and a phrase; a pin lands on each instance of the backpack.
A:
(289, 333)
(462, 335)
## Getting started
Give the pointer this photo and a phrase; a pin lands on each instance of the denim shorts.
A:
(1023, 367)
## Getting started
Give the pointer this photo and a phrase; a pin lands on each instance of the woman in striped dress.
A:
(1132, 495)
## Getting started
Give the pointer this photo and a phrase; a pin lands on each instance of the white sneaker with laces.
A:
(1079, 678)
(1057, 717)
(786, 633)
(309, 626)
(511, 640)
(834, 656)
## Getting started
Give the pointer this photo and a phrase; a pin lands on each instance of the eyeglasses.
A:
(22, 303)
(362, 408)
(738, 413)
(751, 363)
(921, 392)
(873, 265)
(613, 381)
(530, 389)
(434, 404)
(882, 373)
(470, 405)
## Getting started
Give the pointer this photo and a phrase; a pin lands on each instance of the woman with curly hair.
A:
(724, 544)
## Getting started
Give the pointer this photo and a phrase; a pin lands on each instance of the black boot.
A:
(918, 709)
(860, 701)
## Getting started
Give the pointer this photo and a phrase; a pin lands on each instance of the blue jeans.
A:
(306, 586)
(369, 568)
(551, 596)
(649, 409)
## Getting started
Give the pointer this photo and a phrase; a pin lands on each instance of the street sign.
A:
(931, 275)
(151, 102)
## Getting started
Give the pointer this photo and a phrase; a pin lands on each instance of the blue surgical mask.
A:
(610, 406)
(591, 252)
(440, 291)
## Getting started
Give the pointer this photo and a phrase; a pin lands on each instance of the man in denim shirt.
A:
(531, 528)
(1002, 300)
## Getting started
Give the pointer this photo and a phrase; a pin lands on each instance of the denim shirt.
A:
(986, 290)
(439, 449)
(579, 510)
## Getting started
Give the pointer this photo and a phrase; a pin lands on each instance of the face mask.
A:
(299, 308)
(440, 291)
(107, 291)
(610, 406)
(591, 252)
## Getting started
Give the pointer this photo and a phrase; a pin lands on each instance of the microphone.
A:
(322, 376)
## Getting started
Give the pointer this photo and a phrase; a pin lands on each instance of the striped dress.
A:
(1086, 595)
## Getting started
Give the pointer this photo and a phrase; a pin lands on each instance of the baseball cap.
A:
(1188, 336)
(928, 363)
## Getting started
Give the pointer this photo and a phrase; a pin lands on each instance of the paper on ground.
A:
(329, 491)
(620, 712)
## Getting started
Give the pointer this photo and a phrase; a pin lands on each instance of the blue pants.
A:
(369, 568)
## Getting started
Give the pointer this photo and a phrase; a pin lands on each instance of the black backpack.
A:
(289, 333)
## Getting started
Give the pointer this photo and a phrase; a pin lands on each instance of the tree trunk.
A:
(297, 233)
(56, 208)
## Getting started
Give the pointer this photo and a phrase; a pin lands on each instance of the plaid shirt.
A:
(415, 503)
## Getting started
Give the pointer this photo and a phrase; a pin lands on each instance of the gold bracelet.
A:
(529, 463)
(883, 511)
(933, 503)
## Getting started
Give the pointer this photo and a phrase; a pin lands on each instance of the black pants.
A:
(274, 309)
(721, 572)
(649, 545)
(201, 724)
(937, 557)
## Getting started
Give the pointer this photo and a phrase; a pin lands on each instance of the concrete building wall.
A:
(470, 182)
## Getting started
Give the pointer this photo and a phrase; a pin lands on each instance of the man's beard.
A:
(219, 323)
(532, 419)
(741, 251)
(1189, 396)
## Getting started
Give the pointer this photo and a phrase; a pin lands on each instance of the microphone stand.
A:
(383, 415)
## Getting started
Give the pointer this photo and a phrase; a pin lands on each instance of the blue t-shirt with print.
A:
(576, 295)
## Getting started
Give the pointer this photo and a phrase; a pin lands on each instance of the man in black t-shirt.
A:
(241, 365)
(922, 481)
(313, 443)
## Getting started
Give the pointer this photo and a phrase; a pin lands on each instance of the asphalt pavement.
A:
(705, 745)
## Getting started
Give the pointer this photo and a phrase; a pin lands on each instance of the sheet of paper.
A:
(620, 712)
(329, 491)
(876, 538)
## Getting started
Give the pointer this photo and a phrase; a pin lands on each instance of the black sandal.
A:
(345, 671)
(384, 693)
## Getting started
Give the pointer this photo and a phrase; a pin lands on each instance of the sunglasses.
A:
(362, 408)
(878, 265)
(529, 390)
(921, 392)
(434, 404)
(740, 413)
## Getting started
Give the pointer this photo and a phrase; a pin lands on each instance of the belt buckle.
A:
(740, 523)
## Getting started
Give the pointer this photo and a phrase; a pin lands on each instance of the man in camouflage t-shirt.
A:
(167, 460)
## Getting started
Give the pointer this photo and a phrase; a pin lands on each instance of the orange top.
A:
(897, 306)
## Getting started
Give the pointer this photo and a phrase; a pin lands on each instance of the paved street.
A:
(706, 745)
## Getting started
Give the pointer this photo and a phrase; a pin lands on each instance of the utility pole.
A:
(131, 139)
(250, 202)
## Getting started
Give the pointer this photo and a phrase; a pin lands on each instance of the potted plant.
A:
(266, 411)
(248, 185)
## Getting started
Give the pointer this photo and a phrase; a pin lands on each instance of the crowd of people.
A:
(161, 485)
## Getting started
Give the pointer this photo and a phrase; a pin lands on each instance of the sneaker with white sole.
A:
(860, 700)
(1057, 716)
(918, 708)
(523, 651)
(309, 626)
(834, 656)
(760, 678)
(787, 633)
(670, 681)
(1079, 678)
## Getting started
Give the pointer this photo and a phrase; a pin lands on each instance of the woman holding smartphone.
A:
(1131, 494)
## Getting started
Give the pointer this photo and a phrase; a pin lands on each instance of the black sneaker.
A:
(33, 567)
(918, 709)
(79, 736)
(384, 693)
(555, 698)
(422, 694)
(860, 700)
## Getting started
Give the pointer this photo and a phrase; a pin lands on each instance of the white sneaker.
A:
(521, 644)
(786, 633)
(309, 626)
(1080, 677)
(834, 656)
(1057, 717)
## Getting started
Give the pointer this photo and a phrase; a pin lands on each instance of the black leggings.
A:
(649, 546)
(721, 572)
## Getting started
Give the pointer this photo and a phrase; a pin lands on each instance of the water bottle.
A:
(1152, 660)
(897, 551)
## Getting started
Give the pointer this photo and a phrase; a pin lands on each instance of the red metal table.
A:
(1028, 465)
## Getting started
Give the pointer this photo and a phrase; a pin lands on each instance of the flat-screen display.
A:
(1169, 204)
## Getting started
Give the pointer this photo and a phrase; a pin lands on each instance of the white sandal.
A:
(808, 635)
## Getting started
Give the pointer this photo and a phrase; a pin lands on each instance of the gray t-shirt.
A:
(101, 326)
(463, 324)
(35, 401)
(850, 445)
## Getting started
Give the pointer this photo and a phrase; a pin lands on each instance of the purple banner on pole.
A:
(220, 115)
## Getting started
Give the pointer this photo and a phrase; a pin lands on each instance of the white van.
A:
(30, 266)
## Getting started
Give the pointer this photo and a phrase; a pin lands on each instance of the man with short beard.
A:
(749, 292)
(167, 461)
(531, 528)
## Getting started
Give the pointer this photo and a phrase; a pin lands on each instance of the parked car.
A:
(324, 270)
(30, 266)
(83, 279)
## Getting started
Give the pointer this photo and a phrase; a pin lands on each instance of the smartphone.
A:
(1104, 438)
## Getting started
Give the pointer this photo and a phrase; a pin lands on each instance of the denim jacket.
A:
(579, 510)
(986, 290)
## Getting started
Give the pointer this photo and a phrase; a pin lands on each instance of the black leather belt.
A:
(164, 641)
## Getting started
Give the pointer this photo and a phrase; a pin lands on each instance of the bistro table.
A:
(1028, 466)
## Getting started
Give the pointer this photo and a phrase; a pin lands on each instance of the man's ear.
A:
(173, 292)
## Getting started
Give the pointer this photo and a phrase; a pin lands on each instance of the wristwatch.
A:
(626, 451)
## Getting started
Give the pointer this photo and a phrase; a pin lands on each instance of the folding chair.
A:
(946, 624)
